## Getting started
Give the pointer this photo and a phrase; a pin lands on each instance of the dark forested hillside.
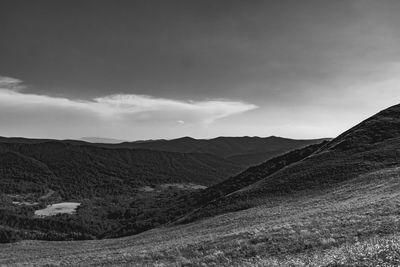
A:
(79, 170)
(111, 185)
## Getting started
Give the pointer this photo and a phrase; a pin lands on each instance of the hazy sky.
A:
(163, 69)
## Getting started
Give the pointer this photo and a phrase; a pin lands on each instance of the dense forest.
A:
(77, 171)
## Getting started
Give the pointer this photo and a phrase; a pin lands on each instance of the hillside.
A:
(352, 224)
(336, 207)
(122, 191)
(109, 184)
(372, 145)
(188, 204)
(172, 210)
(242, 150)
(79, 170)
(335, 204)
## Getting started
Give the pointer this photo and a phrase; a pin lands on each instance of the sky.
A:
(147, 69)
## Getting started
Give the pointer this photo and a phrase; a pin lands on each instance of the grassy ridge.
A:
(369, 146)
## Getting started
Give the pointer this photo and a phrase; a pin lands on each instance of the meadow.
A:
(354, 223)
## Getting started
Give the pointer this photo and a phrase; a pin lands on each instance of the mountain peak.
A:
(381, 126)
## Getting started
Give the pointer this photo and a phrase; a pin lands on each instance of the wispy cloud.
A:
(121, 110)
(147, 107)
(11, 83)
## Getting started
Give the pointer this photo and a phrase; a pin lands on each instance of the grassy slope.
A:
(371, 145)
(245, 178)
(314, 173)
(308, 229)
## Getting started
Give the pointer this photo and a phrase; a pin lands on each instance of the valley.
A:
(329, 204)
(177, 133)
(120, 191)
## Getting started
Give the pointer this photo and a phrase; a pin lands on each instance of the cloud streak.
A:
(147, 107)
(11, 83)
(123, 111)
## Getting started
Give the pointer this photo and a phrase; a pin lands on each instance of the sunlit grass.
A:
(353, 224)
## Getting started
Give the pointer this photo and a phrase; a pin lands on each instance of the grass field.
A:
(354, 223)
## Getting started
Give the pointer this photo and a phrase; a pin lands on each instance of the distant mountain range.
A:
(242, 150)
(102, 140)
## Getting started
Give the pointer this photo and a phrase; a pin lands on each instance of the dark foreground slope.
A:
(336, 207)
(242, 150)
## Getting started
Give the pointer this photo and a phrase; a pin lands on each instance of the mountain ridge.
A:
(247, 150)
(338, 160)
